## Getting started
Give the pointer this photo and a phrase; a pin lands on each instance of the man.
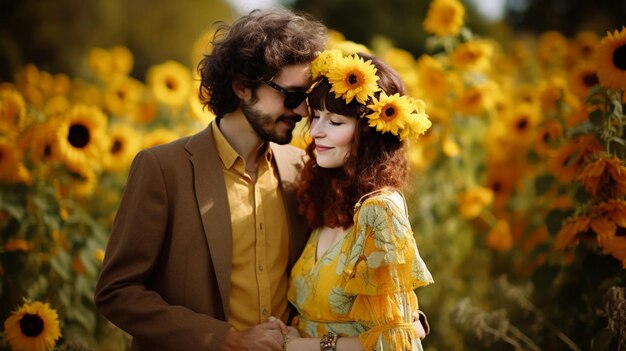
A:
(207, 229)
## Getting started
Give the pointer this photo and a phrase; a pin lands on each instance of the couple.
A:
(210, 226)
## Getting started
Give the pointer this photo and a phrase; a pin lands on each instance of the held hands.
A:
(266, 336)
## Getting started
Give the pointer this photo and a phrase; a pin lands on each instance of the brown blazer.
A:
(166, 274)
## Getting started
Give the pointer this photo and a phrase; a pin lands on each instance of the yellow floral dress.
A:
(363, 285)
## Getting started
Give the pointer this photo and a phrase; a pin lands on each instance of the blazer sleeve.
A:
(122, 294)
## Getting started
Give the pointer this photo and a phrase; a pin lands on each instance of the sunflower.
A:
(610, 60)
(12, 110)
(100, 62)
(547, 137)
(56, 106)
(584, 45)
(33, 327)
(432, 78)
(582, 78)
(569, 159)
(472, 55)
(40, 141)
(390, 113)
(614, 210)
(347, 47)
(12, 169)
(551, 91)
(122, 95)
(552, 48)
(499, 237)
(81, 137)
(323, 62)
(124, 144)
(170, 82)
(83, 182)
(522, 121)
(352, 77)
(477, 99)
(121, 60)
(604, 175)
(444, 17)
(569, 233)
(417, 123)
(158, 137)
(502, 179)
(199, 111)
(473, 201)
(616, 247)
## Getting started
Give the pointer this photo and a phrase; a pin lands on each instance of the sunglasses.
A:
(293, 98)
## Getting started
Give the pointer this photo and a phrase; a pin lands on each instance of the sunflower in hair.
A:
(323, 62)
(611, 60)
(33, 327)
(417, 122)
(390, 113)
(352, 77)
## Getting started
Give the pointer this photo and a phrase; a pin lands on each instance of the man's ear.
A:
(240, 89)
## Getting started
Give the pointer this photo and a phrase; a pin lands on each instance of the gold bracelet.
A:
(329, 342)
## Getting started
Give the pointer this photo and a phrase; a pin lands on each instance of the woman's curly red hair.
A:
(376, 160)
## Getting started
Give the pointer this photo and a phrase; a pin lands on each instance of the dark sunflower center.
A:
(31, 325)
(522, 124)
(353, 79)
(389, 111)
(121, 95)
(78, 136)
(590, 79)
(171, 84)
(496, 187)
(619, 57)
(621, 231)
(117, 147)
(47, 150)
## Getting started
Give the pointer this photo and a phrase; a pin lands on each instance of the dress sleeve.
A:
(383, 268)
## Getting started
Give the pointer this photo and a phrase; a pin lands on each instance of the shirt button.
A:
(265, 311)
(261, 268)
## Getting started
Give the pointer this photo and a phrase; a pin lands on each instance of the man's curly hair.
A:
(252, 50)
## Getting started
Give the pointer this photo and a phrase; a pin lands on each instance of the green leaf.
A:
(581, 195)
(555, 219)
(602, 340)
(543, 277)
(594, 91)
(543, 183)
(596, 117)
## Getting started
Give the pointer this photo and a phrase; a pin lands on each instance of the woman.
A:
(353, 286)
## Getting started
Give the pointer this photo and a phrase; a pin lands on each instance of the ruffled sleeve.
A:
(382, 268)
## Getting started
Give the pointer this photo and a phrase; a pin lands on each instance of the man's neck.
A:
(242, 137)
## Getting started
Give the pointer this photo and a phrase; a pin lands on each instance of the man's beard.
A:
(264, 125)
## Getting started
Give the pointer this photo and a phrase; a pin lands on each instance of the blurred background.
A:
(517, 189)
(56, 34)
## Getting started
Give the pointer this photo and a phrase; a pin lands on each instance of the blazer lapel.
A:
(212, 201)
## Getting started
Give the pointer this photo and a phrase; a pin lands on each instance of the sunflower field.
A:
(517, 195)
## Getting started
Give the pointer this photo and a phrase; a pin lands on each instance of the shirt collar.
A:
(227, 154)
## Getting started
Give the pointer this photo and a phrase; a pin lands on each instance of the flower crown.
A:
(351, 78)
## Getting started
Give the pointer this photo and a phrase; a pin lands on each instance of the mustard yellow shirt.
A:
(260, 238)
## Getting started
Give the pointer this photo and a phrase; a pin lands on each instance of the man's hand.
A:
(263, 337)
